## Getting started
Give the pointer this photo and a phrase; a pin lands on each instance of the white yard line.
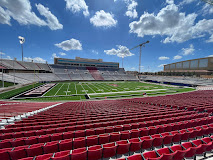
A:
(76, 89)
(127, 91)
(68, 88)
(90, 88)
(104, 87)
(113, 87)
(50, 89)
(59, 89)
(97, 88)
(83, 89)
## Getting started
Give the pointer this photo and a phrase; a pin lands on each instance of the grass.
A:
(14, 92)
(49, 99)
(6, 84)
(75, 88)
(63, 91)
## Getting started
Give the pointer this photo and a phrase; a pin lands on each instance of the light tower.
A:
(21, 40)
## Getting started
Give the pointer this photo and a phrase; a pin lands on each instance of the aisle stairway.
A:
(95, 73)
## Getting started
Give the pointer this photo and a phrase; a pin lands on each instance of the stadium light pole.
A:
(2, 77)
(14, 73)
(140, 45)
(21, 40)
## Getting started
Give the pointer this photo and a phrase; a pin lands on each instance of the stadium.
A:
(84, 101)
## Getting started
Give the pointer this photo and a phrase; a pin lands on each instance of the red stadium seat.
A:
(79, 154)
(50, 147)
(65, 144)
(135, 144)
(34, 150)
(135, 157)
(165, 154)
(64, 155)
(92, 140)
(179, 152)
(79, 142)
(122, 147)
(103, 138)
(95, 152)
(109, 150)
(151, 155)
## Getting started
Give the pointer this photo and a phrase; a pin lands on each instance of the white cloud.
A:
(176, 26)
(94, 51)
(1, 53)
(210, 39)
(21, 11)
(210, 55)
(62, 54)
(207, 9)
(52, 21)
(131, 9)
(103, 19)
(162, 65)
(133, 68)
(170, 1)
(77, 6)
(72, 44)
(186, 2)
(163, 58)
(188, 51)
(122, 51)
(54, 56)
(4, 17)
(177, 57)
(8, 57)
(36, 59)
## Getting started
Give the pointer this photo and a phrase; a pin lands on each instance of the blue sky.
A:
(107, 29)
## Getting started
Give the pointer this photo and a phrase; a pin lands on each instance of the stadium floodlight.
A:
(140, 45)
(2, 71)
(208, 1)
(21, 40)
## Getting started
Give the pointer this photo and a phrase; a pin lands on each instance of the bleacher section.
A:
(11, 78)
(111, 129)
(178, 80)
(90, 73)
(20, 65)
(26, 72)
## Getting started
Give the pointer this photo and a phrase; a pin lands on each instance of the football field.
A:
(65, 91)
(95, 88)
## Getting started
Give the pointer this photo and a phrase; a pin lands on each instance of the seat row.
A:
(177, 152)
(103, 123)
(46, 121)
(136, 123)
(138, 130)
(188, 149)
(127, 145)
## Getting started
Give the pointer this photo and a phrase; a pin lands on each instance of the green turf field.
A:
(6, 84)
(14, 92)
(95, 88)
(77, 90)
